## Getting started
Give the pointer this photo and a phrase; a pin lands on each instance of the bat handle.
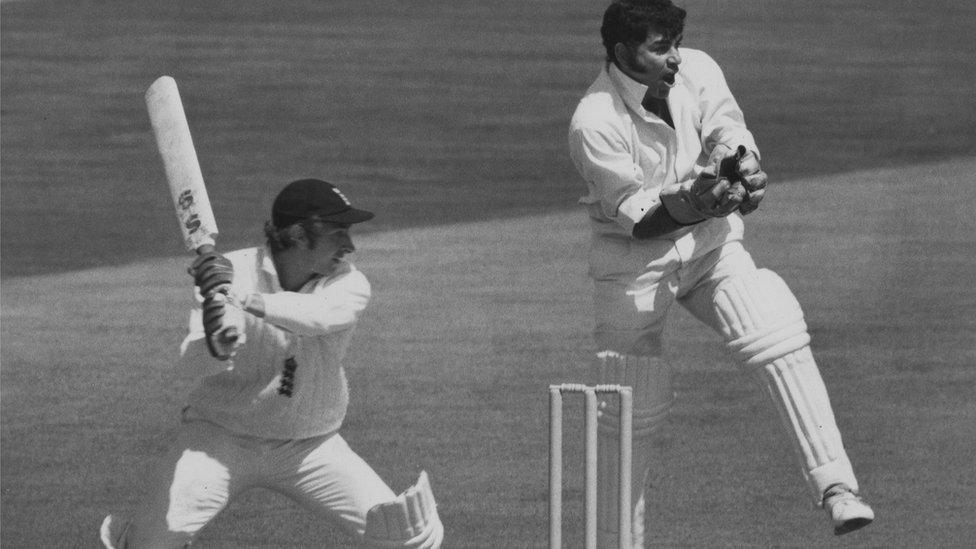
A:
(206, 249)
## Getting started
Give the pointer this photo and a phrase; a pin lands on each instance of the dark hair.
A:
(308, 229)
(629, 21)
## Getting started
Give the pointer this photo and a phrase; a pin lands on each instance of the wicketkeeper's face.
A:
(654, 62)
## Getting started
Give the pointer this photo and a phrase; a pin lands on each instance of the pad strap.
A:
(760, 318)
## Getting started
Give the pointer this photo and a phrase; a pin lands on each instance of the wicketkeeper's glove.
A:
(706, 196)
(742, 167)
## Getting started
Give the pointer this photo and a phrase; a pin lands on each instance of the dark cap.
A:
(307, 197)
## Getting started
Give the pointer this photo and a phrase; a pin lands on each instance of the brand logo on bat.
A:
(192, 224)
(186, 199)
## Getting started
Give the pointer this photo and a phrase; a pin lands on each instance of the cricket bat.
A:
(183, 175)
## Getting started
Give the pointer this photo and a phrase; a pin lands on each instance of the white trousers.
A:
(636, 285)
(208, 466)
(634, 289)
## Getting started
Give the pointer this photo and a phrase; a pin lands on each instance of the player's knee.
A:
(760, 317)
(410, 520)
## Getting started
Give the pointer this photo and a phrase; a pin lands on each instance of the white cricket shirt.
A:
(627, 155)
(287, 380)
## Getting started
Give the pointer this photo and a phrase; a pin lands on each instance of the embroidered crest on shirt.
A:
(287, 384)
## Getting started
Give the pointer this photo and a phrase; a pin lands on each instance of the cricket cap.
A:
(307, 197)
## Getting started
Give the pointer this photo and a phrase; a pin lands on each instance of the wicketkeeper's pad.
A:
(763, 324)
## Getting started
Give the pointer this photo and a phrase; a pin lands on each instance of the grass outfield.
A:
(468, 325)
(451, 111)
(435, 111)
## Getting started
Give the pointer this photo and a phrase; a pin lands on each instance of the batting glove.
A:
(223, 325)
(212, 273)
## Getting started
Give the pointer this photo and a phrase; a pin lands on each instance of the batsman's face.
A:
(333, 243)
(302, 263)
(654, 62)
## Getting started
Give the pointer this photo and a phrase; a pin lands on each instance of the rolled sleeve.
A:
(615, 182)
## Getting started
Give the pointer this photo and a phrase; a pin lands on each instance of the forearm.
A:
(302, 314)
(657, 223)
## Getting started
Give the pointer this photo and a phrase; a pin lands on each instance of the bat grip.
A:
(206, 249)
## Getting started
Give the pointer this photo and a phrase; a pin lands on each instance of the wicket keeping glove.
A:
(706, 196)
(212, 273)
(742, 168)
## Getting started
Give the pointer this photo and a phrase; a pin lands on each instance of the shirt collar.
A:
(268, 268)
(631, 91)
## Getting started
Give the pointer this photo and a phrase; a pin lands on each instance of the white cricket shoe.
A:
(112, 532)
(847, 511)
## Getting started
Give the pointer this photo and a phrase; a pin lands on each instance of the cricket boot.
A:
(846, 510)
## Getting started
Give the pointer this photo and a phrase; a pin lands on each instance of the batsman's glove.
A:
(706, 196)
(212, 273)
(742, 169)
(223, 325)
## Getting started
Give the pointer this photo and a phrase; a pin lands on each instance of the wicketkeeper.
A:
(267, 342)
(671, 169)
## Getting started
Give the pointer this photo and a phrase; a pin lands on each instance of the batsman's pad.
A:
(763, 324)
(410, 520)
(650, 381)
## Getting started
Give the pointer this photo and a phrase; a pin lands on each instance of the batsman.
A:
(266, 342)
(671, 169)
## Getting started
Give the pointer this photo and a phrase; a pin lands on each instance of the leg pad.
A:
(650, 379)
(410, 520)
(763, 324)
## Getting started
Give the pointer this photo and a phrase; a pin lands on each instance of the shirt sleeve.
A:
(332, 305)
(614, 179)
(722, 120)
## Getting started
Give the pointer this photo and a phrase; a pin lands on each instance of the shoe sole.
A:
(851, 525)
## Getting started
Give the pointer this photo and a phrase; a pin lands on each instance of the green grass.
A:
(469, 324)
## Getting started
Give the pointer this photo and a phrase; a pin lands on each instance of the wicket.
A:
(556, 460)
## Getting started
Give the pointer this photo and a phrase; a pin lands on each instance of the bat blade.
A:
(183, 175)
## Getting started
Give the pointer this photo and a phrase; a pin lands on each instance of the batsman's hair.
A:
(629, 21)
(307, 230)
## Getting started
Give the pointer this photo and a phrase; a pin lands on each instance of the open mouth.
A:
(669, 79)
